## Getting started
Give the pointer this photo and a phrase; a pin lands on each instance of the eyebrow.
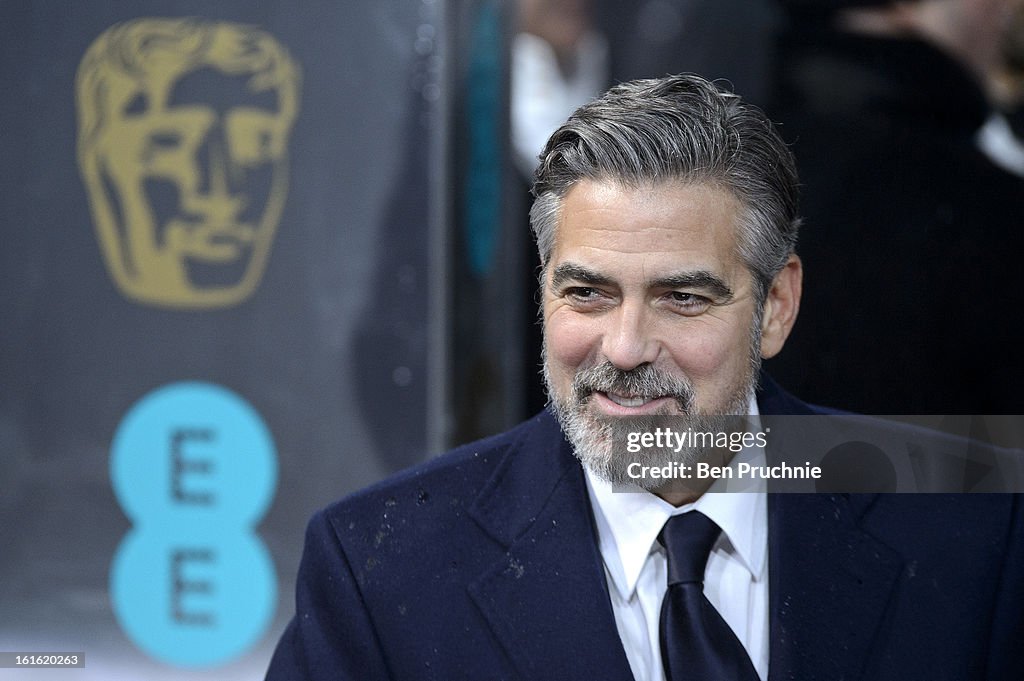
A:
(700, 279)
(569, 271)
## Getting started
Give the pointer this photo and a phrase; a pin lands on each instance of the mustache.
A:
(643, 381)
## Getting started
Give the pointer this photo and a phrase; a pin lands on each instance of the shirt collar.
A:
(628, 524)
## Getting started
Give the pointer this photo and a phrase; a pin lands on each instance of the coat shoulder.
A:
(458, 474)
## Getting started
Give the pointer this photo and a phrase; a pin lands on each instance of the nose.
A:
(628, 340)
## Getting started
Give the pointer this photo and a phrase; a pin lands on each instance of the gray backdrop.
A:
(336, 329)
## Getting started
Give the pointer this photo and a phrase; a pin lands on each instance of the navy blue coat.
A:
(483, 564)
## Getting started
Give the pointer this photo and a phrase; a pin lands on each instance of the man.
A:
(666, 220)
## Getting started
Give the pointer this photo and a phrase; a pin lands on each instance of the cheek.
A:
(570, 340)
(698, 357)
(711, 358)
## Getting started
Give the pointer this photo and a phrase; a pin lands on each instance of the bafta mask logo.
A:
(183, 128)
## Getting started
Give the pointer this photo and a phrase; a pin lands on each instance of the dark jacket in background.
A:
(912, 239)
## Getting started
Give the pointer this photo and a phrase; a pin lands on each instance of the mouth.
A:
(628, 401)
(644, 391)
(621, 404)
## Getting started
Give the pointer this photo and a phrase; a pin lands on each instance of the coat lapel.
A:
(830, 581)
(830, 585)
(546, 599)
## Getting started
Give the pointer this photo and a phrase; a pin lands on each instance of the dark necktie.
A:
(696, 643)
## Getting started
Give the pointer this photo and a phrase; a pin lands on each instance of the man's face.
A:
(648, 310)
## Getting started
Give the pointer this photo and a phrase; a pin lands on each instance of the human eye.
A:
(584, 297)
(688, 304)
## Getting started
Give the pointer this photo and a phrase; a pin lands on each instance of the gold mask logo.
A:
(183, 128)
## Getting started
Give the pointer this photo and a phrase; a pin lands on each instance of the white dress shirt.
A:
(735, 580)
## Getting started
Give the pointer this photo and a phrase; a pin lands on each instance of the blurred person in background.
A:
(911, 232)
(1002, 137)
(559, 62)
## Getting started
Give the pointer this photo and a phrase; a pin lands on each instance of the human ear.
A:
(781, 307)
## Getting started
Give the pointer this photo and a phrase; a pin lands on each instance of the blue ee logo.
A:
(194, 467)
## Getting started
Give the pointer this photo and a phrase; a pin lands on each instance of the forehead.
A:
(667, 224)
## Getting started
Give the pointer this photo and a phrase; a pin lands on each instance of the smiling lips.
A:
(624, 401)
(617, 403)
(641, 391)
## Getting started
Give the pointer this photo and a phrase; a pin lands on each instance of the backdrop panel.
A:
(215, 311)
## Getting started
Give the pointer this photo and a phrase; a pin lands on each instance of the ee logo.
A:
(194, 468)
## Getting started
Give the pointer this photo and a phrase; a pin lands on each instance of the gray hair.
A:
(679, 128)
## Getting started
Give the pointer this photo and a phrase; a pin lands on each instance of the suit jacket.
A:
(483, 564)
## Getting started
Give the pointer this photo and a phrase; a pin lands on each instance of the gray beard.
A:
(594, 437)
